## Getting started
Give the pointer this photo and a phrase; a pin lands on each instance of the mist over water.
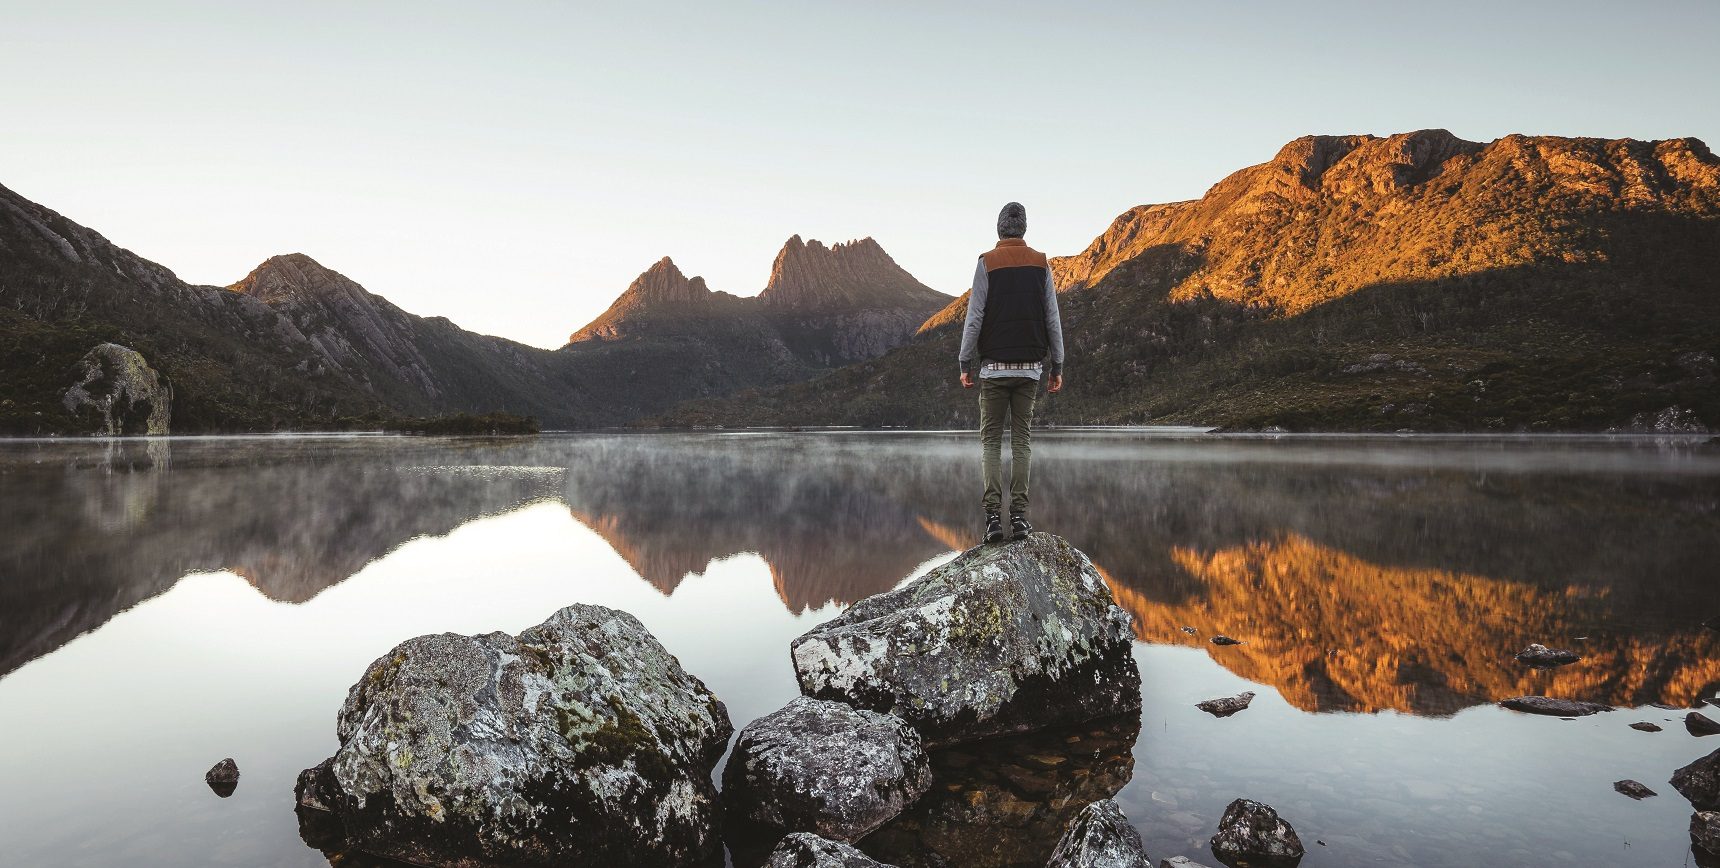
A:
(167, 603)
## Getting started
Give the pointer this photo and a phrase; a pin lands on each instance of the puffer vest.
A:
(1013, 328)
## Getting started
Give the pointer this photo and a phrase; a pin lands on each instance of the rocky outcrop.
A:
(1226, 706)
(659, 293)
(1542, 657)
(117, 392)
(223, 777)
(824, 767)
(1705, 833)
(1252, 834)
(1634, 789)
(1698, 724)
(1553, 707)
(1700, 782)
(1002, 639)
(1100, 837)
(856, 274)
(579, 740)
(806, 850)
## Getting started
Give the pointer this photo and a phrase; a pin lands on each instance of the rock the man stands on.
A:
(1014, 335)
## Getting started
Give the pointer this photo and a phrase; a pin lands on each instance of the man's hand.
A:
(967, 379)
(1056, 384)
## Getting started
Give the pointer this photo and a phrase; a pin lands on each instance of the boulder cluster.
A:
(583, 741)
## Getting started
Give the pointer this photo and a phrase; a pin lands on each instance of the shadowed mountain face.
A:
(1359, 283)
(670, 338)
(1362, 575)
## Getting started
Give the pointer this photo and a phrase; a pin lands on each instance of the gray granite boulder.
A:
(1005, 638)
(1227, 705)
(117, 392)
(1253, 834)
(806, 850)
(223, 777)
(579, 741)
(1700, 782)
(1553, 707)
(1705, 832)
(1100, 837)
(824, 767)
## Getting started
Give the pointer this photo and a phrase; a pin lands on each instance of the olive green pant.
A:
(1011, 396)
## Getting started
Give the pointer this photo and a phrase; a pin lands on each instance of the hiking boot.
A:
(993, 527)
(1019, 526)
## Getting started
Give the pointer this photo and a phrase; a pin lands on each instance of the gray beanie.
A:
(1012, 221)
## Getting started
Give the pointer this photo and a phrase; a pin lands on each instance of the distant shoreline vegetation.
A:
(466, 423)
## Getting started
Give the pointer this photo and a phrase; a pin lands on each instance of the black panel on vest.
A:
(1013, 328)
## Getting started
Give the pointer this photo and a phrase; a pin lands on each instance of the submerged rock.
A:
(1252, 833)
(1542, 657)
(1005, 638)
(1700, 782)
(824, 767)
(117, 392)
(1008, 801)
(1699, 724)
(1553, 707)
(1100, 837)
(1226, 706)
(1634, 789)
(806, 850)
(223, 777)
(1645, 726)
(579, 741)
(1222, 639)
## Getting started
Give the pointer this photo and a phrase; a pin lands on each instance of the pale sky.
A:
(513, 166)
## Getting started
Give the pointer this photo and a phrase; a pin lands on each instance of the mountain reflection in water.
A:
(1401, 584)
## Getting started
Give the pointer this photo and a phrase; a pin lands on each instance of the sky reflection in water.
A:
(166, 605)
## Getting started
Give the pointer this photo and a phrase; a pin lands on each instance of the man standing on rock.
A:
(1014, 335)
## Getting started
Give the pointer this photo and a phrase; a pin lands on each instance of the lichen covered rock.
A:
(1100, 837)
(117, 392)
(579, 741)
(1253, 834)
(1005, 638)
(824, 767)
(806, 850)
(1700, 782)
(1227, 705)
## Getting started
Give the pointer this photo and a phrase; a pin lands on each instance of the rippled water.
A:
(164, 604)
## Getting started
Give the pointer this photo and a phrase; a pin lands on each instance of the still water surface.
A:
(167, 603)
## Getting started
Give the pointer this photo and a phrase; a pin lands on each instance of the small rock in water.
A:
(1222, 639)
(1100, 837)
(824, 767)
(1252, 833)
(1645, 726)
(223, 777)
(1699, 724)
(1191, 632)
(1705, 833)
(806, 850)
(1553, 707)
(1542, 657)
(1634, 789)
(1700, 782)
(1226, 706)
(1180, 862)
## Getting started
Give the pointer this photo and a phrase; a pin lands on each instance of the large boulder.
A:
(824, 767)
(806, 850)
(1705, 833)
(1252, 834)
(1700, 782)
(1003, 639)
(580, 740)
(117, 392)
(1100, 837)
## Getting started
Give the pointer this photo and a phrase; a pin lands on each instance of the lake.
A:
(166, 603)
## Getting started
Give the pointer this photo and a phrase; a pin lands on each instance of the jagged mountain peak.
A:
(290, 277)
(659, 290)
(851, 274)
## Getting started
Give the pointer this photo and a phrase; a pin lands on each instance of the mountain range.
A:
(1416, 281)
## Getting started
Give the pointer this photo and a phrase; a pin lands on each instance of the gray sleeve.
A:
(975, 313)
(1053, 325)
